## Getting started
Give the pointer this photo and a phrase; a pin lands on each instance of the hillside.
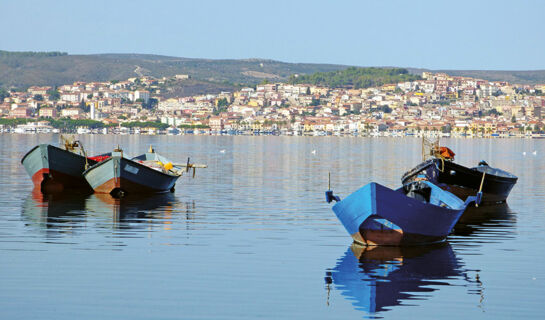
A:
(23, 70)
(519, 77)
(356, 77)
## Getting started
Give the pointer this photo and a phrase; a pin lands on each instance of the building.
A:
(21, 112)
(47, 112)
(141, 94)
(71, 112)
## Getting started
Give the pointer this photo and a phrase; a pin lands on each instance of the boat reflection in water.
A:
(55, 213)
(64, 213)
(486, 222)
(378, 278)
(132, 211)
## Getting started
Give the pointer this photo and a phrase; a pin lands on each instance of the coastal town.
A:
(435, 105)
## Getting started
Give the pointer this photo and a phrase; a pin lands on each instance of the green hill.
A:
(356, 77)
(23, 69)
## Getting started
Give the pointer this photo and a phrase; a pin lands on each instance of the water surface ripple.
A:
(252, 237)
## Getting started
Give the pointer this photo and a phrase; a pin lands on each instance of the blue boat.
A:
(417, 213)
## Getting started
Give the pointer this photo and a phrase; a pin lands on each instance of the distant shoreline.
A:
(457, 136)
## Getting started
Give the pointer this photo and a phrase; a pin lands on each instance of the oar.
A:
(191, 165)
(481, 186)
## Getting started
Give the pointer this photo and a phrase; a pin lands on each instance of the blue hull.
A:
(377, 215)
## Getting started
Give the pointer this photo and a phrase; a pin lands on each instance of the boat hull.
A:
(375, 215)
(120, 176)
(55, 170)
(463, 181)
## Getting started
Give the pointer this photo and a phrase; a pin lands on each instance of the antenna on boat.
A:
(329, 196)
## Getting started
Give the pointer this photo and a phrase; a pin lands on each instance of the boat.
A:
(440, 169)
(416, 213)
(53, 169)
(463, 181)
(147, 173)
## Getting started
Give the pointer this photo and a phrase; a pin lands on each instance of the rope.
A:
(84, 154)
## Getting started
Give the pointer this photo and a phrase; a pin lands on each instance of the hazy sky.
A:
(505, 35)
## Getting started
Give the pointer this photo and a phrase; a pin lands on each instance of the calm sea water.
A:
(252, 237)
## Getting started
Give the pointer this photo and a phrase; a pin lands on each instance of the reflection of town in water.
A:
(380, 278)
(66, 213)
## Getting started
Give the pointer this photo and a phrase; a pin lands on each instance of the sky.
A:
(477, 34)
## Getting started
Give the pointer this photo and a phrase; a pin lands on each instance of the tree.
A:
(90, 96)
(38, 97)
(54, 94)
(513, 119)
(84, 107)
(356, 77)
(3, 94)
(223, 102)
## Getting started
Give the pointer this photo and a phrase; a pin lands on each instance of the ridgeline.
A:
(23, 69)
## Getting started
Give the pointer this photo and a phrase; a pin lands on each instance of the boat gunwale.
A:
(29, 152)
(471, 171)
(132, 162)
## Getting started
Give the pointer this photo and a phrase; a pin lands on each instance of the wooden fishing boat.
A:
(417, 213)
(147, 173)
(53, 169)
(439, 168)
(496, 184)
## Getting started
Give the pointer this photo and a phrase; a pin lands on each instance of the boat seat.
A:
(418, 191)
